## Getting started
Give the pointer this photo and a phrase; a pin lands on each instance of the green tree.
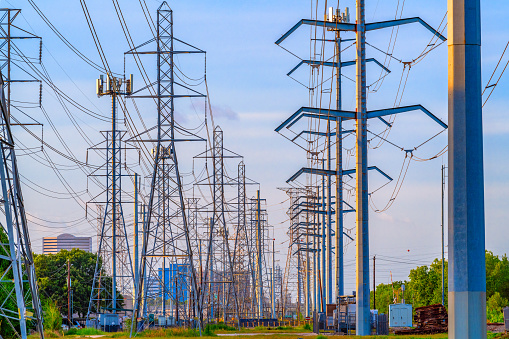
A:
(51, 271)
(494, 308)
(52, 316)
(387, 294)
(497, 275)
(425, 284)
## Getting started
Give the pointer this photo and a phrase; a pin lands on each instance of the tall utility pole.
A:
(325, 248)
(374, 282)
(361, 115)
(259, 255)
(136, 236)
(339, 170)
(272, 279)
(363, 326)
(443, 240)
(467, 272)
(69, 292)
(114, 251)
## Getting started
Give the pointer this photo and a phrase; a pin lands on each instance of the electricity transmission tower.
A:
(114, 274)
(337, 23)
(18, 280)
(298, 259)
(220, 262)
(219, 222)
(20, 306)
(243, 249)
(167, 243)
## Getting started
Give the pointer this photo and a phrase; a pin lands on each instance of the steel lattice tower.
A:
(20, 305)
(226, 271)
(16, 249)
(167, 239)
(242, 257)
(225, 274)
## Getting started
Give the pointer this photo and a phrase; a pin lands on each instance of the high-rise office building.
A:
(65, 242)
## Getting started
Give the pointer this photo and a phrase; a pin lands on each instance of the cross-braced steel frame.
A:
(114, 273)
(167, 239)
(20, 305)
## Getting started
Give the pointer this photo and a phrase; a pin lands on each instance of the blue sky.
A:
(251, 95)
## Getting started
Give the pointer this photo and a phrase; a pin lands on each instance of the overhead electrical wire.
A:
(494, 85)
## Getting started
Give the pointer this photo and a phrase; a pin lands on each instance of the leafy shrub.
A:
(208, 331)
(307, 327)
(211, 328)
(494, 308)
(72, 331)
(52, 316)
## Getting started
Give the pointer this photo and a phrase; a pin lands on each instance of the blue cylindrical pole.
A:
(467, 270)
(362, 209)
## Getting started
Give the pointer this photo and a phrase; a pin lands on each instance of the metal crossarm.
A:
(335, 64)
(391, 23)
(332, 25)
(397, 110)
(318, 171)
(330, 114)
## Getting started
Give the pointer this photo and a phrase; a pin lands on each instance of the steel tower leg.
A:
(362, 208)
(259, 242)
(323, 294)
(339, 177)
(308, 265)
(136, 236)
(315, 263)
(329, 270)
(467, 273)
(318, 256)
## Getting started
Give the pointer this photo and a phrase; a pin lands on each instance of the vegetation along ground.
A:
(259, 333)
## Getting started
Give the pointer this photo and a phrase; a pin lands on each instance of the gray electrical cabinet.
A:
(400, 315)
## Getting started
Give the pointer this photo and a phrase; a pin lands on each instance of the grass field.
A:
(256, 333)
